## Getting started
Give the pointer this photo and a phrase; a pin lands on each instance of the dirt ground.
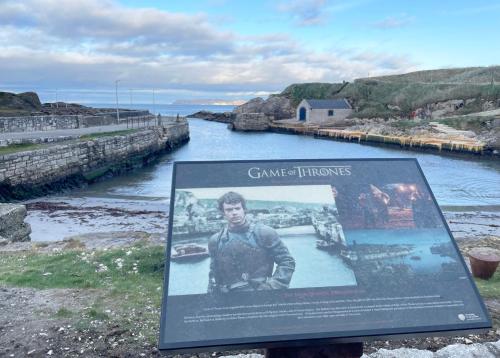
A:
(29, 326)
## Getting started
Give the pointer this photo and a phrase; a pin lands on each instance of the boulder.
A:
(23, 103)
(252, 106)
(225, 117)
(276, 107)
(12, 225)
(251, 122)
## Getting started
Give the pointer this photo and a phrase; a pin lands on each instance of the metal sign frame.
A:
(324, 337)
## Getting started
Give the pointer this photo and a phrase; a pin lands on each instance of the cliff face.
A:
(22, 103)
(277, 107)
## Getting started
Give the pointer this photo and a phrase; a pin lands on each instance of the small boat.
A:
(328, 245)
(189, 252)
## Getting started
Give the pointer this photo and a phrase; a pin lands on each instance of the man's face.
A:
(234, 213)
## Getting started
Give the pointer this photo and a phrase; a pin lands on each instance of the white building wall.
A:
(321, 115)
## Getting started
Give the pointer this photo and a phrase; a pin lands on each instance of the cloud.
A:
(393, 22)
(92, 20)
(91, 44)
(305, 12)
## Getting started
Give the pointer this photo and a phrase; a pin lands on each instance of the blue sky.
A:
(231, 50)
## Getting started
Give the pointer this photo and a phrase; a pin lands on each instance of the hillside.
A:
(399, 95)
(19, 104)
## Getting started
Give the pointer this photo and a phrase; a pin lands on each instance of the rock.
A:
(251, 122)
(27, 101)
(276, 107)
(12, 225)
(483, 350)
(226, 117)
(400, 353)
(252, 106)
(486, 350)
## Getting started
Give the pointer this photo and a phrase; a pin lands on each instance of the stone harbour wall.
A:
(45, 123)
(12, 225)
(250, 122)
(85, 159)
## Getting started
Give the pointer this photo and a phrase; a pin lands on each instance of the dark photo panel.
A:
(263, 253)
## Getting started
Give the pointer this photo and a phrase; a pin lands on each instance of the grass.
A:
(489, 288)
(14, 148)
(75, 269)
(108, 134)
(472, 123)
(128, 280)
(372, 96)
(408, 124)
(63, 312)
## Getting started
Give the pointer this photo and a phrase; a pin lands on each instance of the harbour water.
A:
(456, 181)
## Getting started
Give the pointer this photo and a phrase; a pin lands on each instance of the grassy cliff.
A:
(398, 95)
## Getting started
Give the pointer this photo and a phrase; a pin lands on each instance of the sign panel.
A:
(262, 253)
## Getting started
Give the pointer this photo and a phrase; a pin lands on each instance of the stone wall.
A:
(250, 122)
(84, 159)
(45, 123)
(320, 116)
(12, 225)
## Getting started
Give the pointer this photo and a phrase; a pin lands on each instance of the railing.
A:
(151, 121)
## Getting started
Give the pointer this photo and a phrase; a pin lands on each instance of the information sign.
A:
(273, 253)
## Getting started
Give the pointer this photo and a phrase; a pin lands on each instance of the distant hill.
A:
(398, 95)
(16, 104)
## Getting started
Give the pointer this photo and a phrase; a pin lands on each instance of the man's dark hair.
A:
(231, 198)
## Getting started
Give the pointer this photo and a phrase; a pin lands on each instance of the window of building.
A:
(330, 113)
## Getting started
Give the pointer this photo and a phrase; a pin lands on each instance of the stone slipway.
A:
(455, 144)
(37, 172)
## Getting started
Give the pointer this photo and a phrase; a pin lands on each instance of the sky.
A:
(77, 50)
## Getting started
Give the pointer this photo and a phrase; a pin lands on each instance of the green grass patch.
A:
(112, 269)
(108, 134)
(128, 280)
(489, 288)
(470, 123)
(23, 147)
(63, 312)
(408, 124)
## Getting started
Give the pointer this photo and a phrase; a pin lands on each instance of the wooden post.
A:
(342, 350)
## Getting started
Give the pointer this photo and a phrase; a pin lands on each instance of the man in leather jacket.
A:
(243, 254)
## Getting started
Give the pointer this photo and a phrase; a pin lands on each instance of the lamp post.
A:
(116, 95)
(154, 103)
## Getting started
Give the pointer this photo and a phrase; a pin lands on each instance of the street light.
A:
(116, 95)
(154, 103)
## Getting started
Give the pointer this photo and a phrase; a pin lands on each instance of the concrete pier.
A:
(449, 144)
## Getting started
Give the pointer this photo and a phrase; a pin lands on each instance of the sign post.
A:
(320, 254)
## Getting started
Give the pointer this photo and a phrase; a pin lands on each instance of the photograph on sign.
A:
(270, 251)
